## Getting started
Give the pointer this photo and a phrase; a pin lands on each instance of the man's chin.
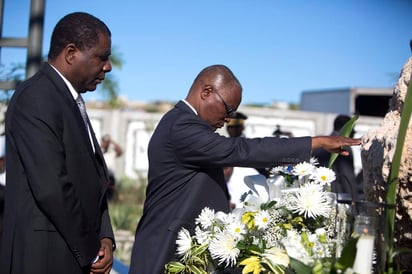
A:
(92, 88)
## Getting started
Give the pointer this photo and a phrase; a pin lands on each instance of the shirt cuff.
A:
(95, 259)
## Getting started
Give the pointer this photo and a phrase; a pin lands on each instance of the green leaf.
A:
(318, 268)
(344, 131)
(347, 257)
(196, 270)
(299, 267)
(269, 205)
(393, 180)
(199, 262)
(174, 268)
(197, 251)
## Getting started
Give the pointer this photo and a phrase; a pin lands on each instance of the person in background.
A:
(280, 133)
(236, 126)
(186, 161)
(111, 151)
(346, 183)
(234, 175)
(56, 214)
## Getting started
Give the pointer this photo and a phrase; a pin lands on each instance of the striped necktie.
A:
(82, 108)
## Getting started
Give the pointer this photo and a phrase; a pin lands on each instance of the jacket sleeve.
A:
(106, 230)
(197, 144)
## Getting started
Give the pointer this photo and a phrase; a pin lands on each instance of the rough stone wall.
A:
(378, 148)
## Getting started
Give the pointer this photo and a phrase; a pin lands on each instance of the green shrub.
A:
(126, 205)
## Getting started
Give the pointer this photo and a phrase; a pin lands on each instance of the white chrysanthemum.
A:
(303, 169)
(184, 243)
(223, 249)
(310, 201)
(206, 218)
(237, 229)
(262, 219)
(324, 176)
(276, 256)
(202, 236)
(225, 218)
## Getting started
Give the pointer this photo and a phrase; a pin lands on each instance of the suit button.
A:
(76, 253)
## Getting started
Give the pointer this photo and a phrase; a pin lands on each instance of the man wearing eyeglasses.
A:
(186, 160)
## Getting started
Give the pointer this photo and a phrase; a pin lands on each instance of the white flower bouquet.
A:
(296, 232)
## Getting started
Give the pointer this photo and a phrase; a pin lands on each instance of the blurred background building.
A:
(132, 128)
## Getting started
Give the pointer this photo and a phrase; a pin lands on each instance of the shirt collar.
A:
(74, 93)
(187, 103)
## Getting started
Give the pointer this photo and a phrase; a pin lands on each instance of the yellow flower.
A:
(249, 219)
(252, 264)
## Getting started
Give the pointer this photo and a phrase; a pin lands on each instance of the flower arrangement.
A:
(298, 231)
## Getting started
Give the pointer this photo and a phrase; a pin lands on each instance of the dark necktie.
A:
(82, 108)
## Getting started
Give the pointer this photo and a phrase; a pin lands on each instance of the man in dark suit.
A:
(56, 216)
(186, 160)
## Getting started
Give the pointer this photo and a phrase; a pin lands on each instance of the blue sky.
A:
(277, 49)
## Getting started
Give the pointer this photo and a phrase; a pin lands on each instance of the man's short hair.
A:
(80, 28)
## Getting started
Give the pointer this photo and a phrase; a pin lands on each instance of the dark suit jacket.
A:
(185, 175)
(56, 210)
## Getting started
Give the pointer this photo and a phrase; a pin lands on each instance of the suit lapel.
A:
(65, 92)
(96, 156)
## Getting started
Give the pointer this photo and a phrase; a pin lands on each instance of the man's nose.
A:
(107, 66)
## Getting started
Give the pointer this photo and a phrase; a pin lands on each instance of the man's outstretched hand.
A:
(335, 144)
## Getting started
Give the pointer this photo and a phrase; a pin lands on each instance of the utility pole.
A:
(33, 42)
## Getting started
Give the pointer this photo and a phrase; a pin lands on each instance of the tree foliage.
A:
(110, 86)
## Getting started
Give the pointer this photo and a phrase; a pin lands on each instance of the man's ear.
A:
(70, 53)
(206, 91)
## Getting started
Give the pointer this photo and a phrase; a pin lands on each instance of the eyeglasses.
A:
(230, 112)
